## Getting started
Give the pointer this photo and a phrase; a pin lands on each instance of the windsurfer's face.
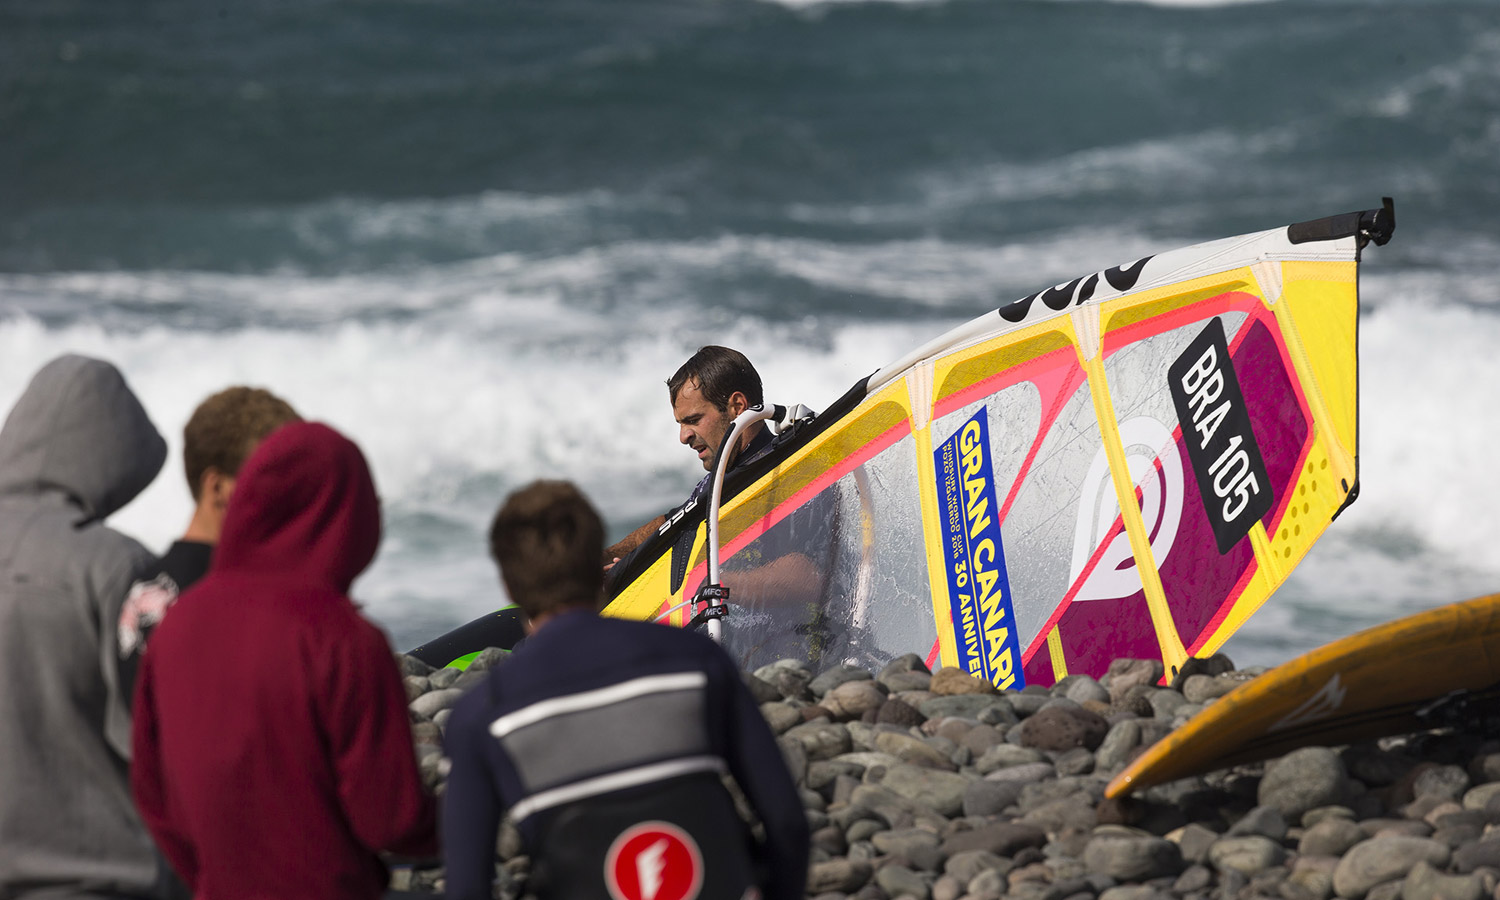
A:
(700, 424)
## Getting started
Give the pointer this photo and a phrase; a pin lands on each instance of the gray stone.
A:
(832, 678)
(1424, 882)
(444, 678)
(968, 864)
(1249, 854)
(1303, 779)
(1266, 821)
(780, 717)
(899, 881)
(853, 699)
(845, 875)
(899, 713)
(988, 884)
(1125, 674)
(1383, 859)
(788, 676)
(1202, 688)
(989, 798)
(1316, 816)
(913, 750)
(1479, 797)
(904, 840)
(967, 706)
(949, 681)
(1077, 761)
(760, 690)
(795, 758)
(864, 830)
(906, 681)
(1000, 838)
(416, 686)
(1193, 840)
(942, 791)
(948, 888)
(1023, 774)
(1132, 858)
(1082, 688)
(1331, 837)
(1059, 728)
(1194, 878)
(1441, 782)
(431, 702)
(1119, 744)
(487, 659)
(410, 665)
(981, 738)
(1481, 854)
(1314, 874)
(820, 740)
(1166, 703)
(1002, 756)
(1075, 811)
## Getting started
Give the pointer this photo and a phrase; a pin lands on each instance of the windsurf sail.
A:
(1124, 465)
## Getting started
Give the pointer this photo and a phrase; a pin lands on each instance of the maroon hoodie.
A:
(272, 754)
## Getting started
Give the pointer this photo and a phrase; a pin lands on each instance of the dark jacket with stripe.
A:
(594, 707)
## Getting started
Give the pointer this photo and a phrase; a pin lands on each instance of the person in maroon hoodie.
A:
(272, 755)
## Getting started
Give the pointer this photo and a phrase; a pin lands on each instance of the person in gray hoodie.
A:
(76, 447)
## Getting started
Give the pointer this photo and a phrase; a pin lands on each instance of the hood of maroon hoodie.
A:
(304, 506)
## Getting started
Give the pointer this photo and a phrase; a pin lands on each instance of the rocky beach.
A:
(936, 786)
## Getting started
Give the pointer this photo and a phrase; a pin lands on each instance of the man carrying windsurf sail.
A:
(778, 581)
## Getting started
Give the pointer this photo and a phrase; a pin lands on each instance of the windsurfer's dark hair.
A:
(548, 540)
(718, 372)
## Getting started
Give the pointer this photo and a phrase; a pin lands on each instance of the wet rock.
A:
(1248, 854)
(950, 681)
(1132, 858)
(1000, 839)
(1330, 837)
(844, 875)
(411, 666)
(832, 678)
(900, 714)
(899, 881)
(760, 690)
(943, 791)
(1383, 859)
(1202, 688)
(1303, 779)
(989, 798)
(820, 740)
(853, 699)
(1125, 674)
(967, 706)
(1058, 728)
(430, 703)
(1424, 882)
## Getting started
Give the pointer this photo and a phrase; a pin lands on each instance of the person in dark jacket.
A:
(272, 752)
(606, 741)
(76, 447)
(221, 433)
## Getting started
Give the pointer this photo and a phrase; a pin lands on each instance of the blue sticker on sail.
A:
(984, 624)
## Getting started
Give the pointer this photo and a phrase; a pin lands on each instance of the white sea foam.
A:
(489, 377)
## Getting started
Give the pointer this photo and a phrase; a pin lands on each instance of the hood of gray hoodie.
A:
(79, 430)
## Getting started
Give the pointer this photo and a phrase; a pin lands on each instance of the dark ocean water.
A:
(478, 235)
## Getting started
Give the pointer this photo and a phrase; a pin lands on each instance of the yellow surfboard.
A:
(1124, 465)
(1364, 686)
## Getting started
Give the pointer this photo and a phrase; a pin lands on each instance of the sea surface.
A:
(477, 236)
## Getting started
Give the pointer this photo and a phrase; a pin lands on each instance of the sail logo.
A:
(1326, 702)
(984, 624)
(1215, 424)
(1155, 467)
(1076, 292)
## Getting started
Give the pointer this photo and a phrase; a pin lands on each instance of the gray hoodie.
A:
(76, 447)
